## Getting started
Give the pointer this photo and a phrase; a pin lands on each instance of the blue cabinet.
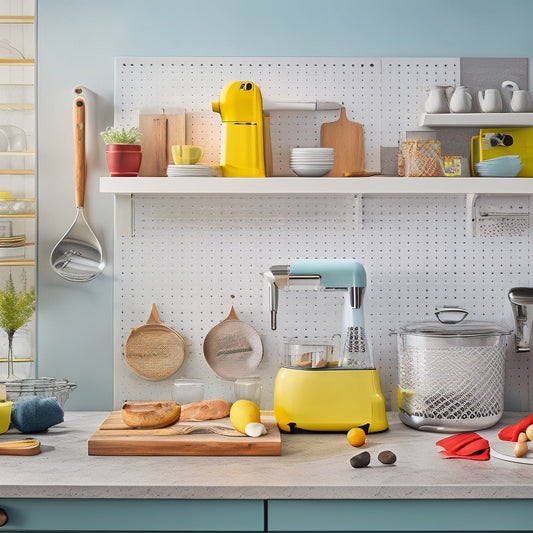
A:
(26, 514)
(400, 515)
(72, 515)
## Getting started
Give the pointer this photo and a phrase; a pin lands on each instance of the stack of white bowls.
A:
(311, 162)
(507, 165)
(190, 171)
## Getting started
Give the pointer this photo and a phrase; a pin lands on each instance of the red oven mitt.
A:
(465, 446)
(511, 433)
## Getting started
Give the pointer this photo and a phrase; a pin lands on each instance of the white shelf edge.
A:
(498, 120)
(380, 185)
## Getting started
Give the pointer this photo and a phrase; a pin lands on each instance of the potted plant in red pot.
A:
(123, 150)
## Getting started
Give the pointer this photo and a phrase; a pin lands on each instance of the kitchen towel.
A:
(465, 446)
(510, 433)
(31, 414)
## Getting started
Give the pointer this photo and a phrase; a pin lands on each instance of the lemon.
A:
(243, 412)
(356, 437)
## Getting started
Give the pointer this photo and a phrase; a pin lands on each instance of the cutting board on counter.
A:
(114, 437)
(346, 139)
(160, 133)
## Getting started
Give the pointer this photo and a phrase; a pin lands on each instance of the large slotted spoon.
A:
(78, 254)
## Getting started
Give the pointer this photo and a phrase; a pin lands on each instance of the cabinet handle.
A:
(3, 517)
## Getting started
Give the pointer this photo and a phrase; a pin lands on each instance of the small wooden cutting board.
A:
(346, 138)
(160, 133)
(114, 437)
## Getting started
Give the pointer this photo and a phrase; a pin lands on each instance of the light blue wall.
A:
(77, 42)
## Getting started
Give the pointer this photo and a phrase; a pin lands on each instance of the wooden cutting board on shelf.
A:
(114, 437)
(160, 133)
(346, 138)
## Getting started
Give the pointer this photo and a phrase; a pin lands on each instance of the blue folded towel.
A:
(31, 414)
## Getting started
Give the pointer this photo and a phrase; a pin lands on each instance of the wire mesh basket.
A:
(58, 388)
(451, 373)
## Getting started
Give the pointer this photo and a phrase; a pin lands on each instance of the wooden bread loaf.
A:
(150, 414)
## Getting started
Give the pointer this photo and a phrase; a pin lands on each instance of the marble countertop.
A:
(311, 466)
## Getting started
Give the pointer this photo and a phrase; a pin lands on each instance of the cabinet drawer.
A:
(399, 515)
(132, 515)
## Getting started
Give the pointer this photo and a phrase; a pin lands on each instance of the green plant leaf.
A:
(119, 135)
(16, 307)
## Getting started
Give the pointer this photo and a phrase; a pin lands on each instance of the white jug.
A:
(508, 87)
(521, 101)
(461, 100)
(437, 100)
(491, 102)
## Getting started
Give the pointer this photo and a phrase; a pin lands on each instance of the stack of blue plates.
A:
(507, 165)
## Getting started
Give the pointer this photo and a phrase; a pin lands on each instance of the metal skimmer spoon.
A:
(78, 254)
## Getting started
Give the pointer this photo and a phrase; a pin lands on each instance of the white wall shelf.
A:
(323, 186)
(474, 120)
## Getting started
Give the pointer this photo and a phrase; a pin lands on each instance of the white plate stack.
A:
(311, 162)
(190, 171)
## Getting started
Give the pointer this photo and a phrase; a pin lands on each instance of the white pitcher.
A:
(461, 100)
(521, 101)
(507, 89)
(437, 100)
(491, 102)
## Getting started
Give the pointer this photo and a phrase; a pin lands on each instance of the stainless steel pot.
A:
(451, 373)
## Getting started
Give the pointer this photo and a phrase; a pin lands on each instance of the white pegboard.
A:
(193, 83)
(195, 256)
(405, 83)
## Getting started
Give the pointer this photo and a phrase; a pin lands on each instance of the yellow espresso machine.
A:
(242, 110)
(242, 146)
(340, 395)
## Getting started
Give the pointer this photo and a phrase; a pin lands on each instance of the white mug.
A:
(521, 101)
(491, 102)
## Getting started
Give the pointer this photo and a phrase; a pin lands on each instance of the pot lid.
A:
(450, 324)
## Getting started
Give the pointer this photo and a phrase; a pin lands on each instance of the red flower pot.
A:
(123, 159)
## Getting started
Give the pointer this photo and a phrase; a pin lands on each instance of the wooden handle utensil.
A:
(20, 447)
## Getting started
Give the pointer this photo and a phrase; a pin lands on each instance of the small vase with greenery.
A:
(16, 309)
(123, 150)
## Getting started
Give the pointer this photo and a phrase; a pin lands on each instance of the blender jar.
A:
(311, 353)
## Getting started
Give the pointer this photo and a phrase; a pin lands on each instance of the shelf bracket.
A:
(125, 214)
(471, 199)
(358, 198)
(498, 215)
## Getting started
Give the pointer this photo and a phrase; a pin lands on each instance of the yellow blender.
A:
(331, 397)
